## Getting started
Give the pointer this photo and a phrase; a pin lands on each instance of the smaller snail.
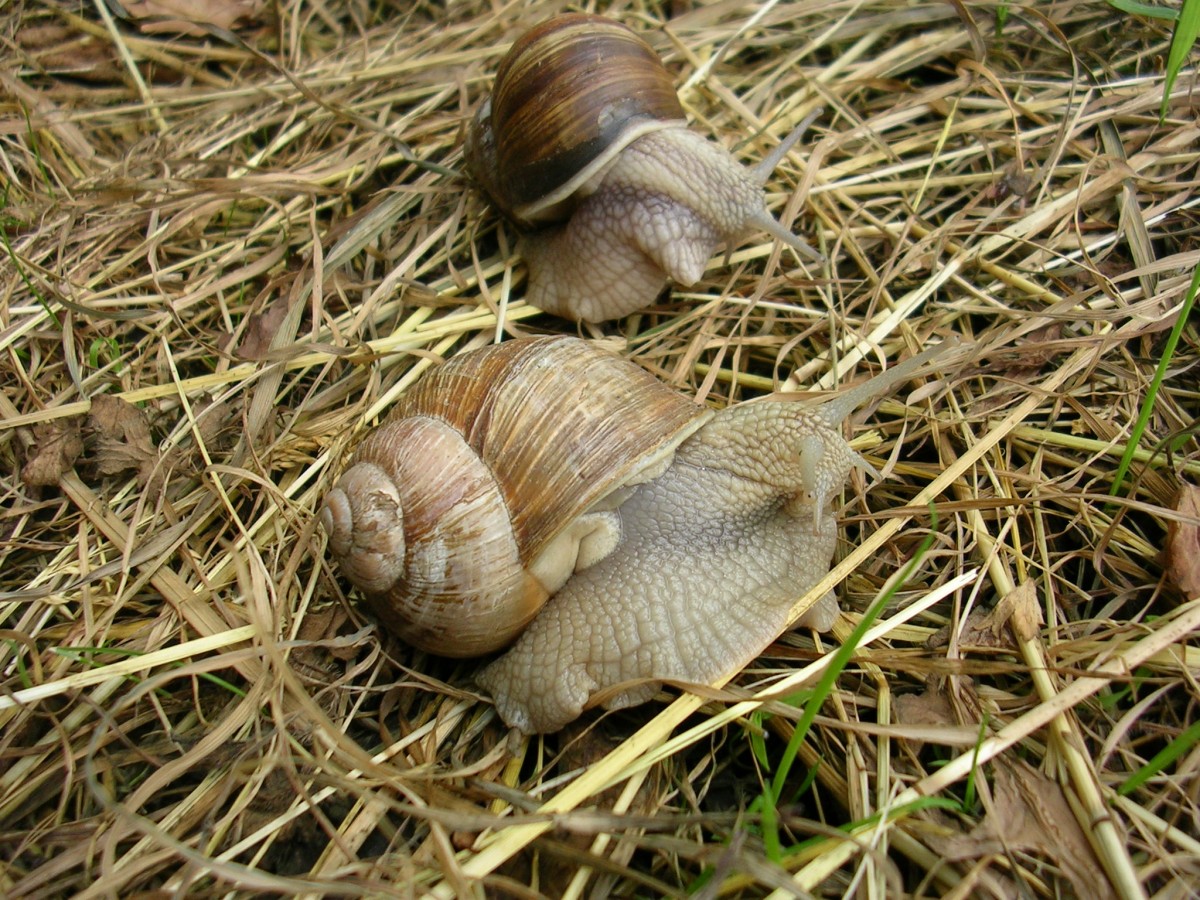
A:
(584, 145)
(545, 488)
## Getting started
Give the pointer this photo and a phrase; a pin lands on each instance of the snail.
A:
(583, 144)
(546, 488)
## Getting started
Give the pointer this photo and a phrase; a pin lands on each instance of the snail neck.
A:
(777, 450)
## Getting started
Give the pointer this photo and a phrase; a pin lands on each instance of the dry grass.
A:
(255, 245)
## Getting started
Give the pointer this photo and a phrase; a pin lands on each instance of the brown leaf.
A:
(985, 629)
(980, 630)
(1026, 617)
(930, 707)
(212, 420)
(119, 439)
(1036, 349)
(1029, 812)
(260, 330)
(1183, 544)
(1013, 182)
(191, 16)
(324, 624)
(57, 445)
(949, 702)
(60, 50)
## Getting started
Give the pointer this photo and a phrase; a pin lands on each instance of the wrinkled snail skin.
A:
(713, 555)
(631, 199)
(669, 200)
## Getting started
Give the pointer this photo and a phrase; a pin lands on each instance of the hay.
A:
(228, 247)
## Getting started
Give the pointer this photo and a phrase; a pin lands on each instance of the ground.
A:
(233, 234)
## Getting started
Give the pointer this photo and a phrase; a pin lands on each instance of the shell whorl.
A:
(453, 582)
(365, 524)
(563, 420)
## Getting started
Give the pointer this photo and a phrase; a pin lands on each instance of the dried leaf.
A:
(1183, 544)
(1013, 182)
(193, 17)
(980, 630)
(261, 329)
(57, 446)
(119, 439)
(1029, 812)
(1026, 615)
(939, 712)
(212, 419)
(930, 707)
(324, 624)
(985, 629)
(60, 50)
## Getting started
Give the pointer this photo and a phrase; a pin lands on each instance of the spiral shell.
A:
(464, 512)
(568, 97)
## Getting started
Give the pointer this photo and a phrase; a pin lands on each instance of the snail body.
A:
(681, 559)
(713, 556)
(584, 145)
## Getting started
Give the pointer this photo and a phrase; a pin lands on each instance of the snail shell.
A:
(570, 95)
(492, 481)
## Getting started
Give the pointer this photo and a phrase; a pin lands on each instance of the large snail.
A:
(583, 144)
(671, 541)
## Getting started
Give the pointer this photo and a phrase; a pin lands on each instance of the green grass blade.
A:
(1160, 373)
(1134, 8)
(841, 657)
(1181, 746)
(1186, 31)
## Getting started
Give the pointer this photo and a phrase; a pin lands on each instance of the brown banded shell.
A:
(569, 95)
(479, 468)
